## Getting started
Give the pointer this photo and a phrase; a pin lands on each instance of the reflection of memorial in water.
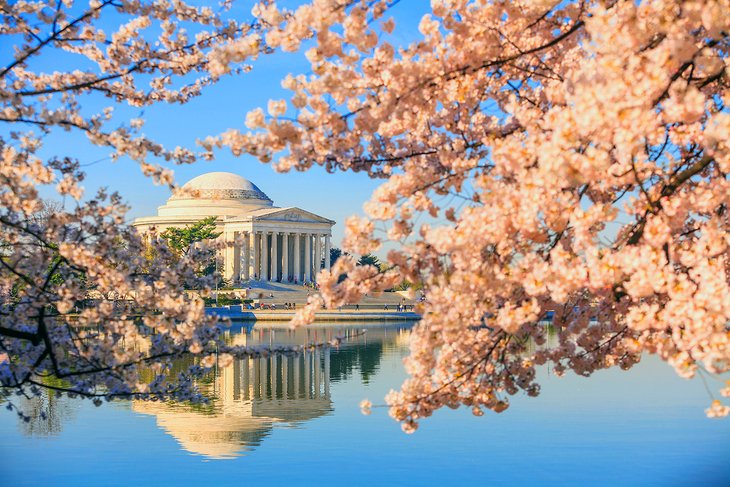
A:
(248, 398)
(253, 395)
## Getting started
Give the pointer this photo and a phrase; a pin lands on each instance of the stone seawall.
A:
(236, 313)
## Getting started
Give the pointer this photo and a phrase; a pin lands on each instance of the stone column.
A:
(236, 257)
(285, 257)
(265, 256)
(256, 237)
(228, 256)
(246, 256)
(317, 254)
(274, 256)
(297, 261)
(307, 257)
(327, 248)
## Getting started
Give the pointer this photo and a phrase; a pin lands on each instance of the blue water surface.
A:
(268, 426)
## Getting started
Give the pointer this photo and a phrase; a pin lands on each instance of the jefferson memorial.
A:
(264, 242)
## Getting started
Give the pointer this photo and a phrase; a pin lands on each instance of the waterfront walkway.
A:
(382, 307)
(326, 315)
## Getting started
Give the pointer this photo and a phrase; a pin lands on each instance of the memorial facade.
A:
(263, 242)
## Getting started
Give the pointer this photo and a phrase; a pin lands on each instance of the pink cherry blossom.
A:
(562, 158)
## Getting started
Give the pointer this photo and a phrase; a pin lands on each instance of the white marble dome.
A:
(220, 185)
(222, 194)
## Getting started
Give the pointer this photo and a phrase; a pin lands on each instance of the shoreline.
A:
(320, 316)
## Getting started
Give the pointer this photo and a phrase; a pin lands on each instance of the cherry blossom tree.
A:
(81, 308)
(539, 158)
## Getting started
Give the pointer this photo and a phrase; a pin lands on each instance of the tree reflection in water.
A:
(47, 413)
(252, 396)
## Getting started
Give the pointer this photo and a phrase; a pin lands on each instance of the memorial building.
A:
(265, 242)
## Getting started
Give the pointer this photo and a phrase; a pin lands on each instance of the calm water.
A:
(296, 420)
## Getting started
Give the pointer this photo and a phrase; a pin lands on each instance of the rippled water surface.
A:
(296, 420)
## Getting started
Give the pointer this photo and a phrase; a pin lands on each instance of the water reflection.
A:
(252, 396)
(640, 427)
(47, 414)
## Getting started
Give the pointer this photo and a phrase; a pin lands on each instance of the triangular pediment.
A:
(289, 215)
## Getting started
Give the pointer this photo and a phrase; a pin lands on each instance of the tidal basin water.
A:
(297, 421)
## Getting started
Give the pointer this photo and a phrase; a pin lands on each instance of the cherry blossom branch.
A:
(55, 34)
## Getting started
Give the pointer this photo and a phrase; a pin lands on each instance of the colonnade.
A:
(269, 255)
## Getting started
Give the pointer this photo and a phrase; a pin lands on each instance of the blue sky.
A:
(223, 106)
